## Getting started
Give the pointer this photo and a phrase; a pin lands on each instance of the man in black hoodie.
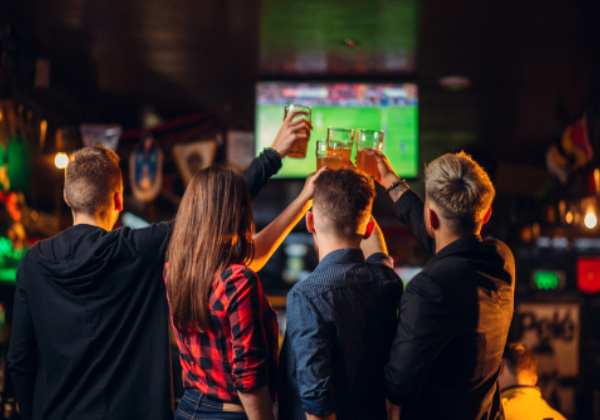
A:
(90, 326)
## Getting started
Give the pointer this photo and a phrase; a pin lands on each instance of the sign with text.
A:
(552, 331)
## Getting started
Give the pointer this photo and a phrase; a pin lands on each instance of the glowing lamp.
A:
(61, 160)
(548, 279)
(590, 220)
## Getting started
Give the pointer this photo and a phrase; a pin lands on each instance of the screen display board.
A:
(392, 108)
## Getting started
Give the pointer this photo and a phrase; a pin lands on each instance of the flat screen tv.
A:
(391, 107)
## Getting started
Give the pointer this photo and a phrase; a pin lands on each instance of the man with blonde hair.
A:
(455, 314)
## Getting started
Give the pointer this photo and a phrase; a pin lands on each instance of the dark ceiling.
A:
(531, 63)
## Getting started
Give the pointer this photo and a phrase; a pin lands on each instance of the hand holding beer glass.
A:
(346, 136)
(368, 140)
(298, 112)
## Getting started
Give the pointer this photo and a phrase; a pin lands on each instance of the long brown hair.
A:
(213, 228)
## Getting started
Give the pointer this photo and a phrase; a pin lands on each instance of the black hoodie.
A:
(90, 327)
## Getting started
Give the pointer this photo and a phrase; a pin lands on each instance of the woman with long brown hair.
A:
(225, 327)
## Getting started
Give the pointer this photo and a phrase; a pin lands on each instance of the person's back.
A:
(99, 311)
(521, 399)
(357, 305)
(455, 314)
(470, 284)
(340, 319)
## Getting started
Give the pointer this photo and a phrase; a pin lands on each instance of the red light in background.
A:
(588, 275)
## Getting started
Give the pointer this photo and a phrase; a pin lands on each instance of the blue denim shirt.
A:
(341, 322)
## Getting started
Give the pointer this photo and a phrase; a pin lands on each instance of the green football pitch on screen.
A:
(400, 124)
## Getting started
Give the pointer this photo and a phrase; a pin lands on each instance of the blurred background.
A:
(175, 86)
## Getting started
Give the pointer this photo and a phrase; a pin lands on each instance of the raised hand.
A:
(268, 240)
(308, 192)
(289, 133)
(387, 176)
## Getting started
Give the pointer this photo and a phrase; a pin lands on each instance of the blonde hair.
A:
(92, 177)
(462, 188)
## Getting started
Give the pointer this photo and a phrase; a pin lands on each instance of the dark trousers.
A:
(194, 405)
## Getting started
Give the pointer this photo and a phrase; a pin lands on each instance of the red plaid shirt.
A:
(238, 352)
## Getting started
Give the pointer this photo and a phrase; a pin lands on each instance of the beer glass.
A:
(347, 137)
(335, 154)
(329, 157)
(368, 140)
(298, 150)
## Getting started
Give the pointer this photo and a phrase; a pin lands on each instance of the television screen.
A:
(392, 108)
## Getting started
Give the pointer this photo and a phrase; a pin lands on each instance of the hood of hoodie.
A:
(79, 257)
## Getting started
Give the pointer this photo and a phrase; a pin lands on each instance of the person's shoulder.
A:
(30, 258)
(446, 271)
(500, 247)
(34, 250)
(317, 281)
(380, 273)
(40, 248)
(149, 241)
(311, 286)
(156, 230)
(238, 274)
(234, 270)
(425, 285)
(380, 259)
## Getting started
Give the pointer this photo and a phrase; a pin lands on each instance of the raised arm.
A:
(408, 206)
(268, 240)
(374, 244)
(268, 162)
(22, 354)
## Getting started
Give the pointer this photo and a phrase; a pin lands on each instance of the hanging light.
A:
(61, 160)
(588, 207)
(590, 220)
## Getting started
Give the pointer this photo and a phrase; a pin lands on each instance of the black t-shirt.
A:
(90, 325)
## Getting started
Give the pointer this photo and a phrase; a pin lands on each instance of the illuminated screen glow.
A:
(392, 108)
